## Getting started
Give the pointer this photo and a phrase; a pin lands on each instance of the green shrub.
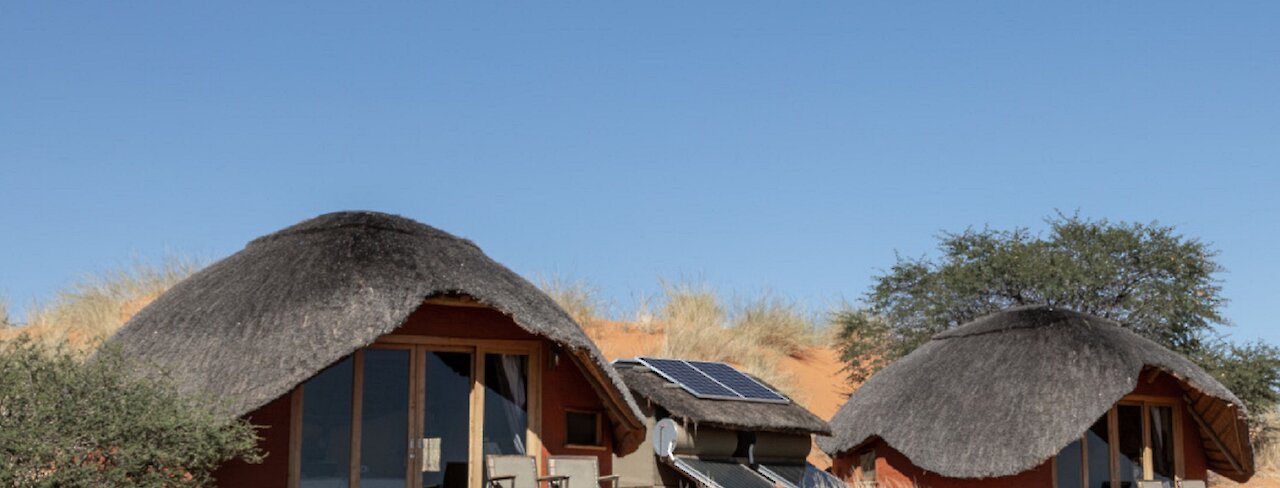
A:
(67, 423)
(1146, 277)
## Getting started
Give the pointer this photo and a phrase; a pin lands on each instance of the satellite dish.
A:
(664, 438)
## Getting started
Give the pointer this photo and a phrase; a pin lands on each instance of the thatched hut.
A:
(1039, 396)
(717, 443)
(380, 352)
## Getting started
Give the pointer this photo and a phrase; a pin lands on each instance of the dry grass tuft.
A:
(581, 300)
(1267, 443)
(695, 325)
(778, 323)
(5, 321)
(88, 311)
(698, 326)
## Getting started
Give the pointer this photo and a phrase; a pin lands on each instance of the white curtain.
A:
(513, 387)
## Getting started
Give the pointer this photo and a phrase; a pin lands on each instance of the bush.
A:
(64, 422)
(1146, 277)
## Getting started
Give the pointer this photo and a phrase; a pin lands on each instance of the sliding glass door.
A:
(414, 415)
(384, 418)
(1136, 440)
(446, 420)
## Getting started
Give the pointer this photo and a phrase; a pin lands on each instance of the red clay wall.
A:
(563, 386)
(894, 470)
(273, 441)
(1194, 464)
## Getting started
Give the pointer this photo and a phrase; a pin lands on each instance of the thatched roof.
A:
(250, 327)
(789, 418)
(1004, 393)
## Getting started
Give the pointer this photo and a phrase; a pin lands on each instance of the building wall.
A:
(563, 386)
(894, 470)
(1162, 385)
(273, 440)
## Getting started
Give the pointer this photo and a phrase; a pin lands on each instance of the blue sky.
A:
(793, 147)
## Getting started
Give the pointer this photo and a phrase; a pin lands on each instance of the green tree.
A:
(68, 423)
(1146, 277)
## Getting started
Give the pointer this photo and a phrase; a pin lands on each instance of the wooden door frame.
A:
(1143, 402)
(419, 346)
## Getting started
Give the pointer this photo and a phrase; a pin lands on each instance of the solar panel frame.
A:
(747, 387)
(682, 372)
(673, 370)
(782, 473)
(721, 474)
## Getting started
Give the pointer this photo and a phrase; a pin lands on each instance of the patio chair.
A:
(582, 471)
(518, 472)
(1191, 484)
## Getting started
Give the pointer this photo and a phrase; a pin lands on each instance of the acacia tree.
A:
(66, 422)
(1146, 277)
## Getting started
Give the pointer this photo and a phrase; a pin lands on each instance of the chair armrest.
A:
(493, 480)
(553, 480)
(611, 479)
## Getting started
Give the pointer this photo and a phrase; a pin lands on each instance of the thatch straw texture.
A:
(788, 418)
(250, 327)
(1006, 392)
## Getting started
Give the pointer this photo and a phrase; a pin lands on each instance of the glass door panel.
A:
(1162, 462)
(506, 403)
(446, 420)
(384, 418)
(1068, 466)
(1129, 438)
(326, 428)
(1099, 450)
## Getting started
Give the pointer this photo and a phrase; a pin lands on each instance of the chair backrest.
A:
(1152, 484)
(524, 468)
(583, 471)
(1191, 484)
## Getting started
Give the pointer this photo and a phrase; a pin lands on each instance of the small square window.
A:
(583, 428)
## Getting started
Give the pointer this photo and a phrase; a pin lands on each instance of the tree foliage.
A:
(1146, 277)
(69, 423)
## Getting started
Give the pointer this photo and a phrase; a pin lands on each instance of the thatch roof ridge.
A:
(296, 300)
(1006, 392)
(789, 418)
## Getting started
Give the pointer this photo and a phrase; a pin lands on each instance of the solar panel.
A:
(680, 373)
(720, 474)
(799, 476)
(791, 475)
(733, 379)
(712, 380)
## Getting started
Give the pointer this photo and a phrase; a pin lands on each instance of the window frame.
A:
(1145, 402)
(599, 417)
(419, 346)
